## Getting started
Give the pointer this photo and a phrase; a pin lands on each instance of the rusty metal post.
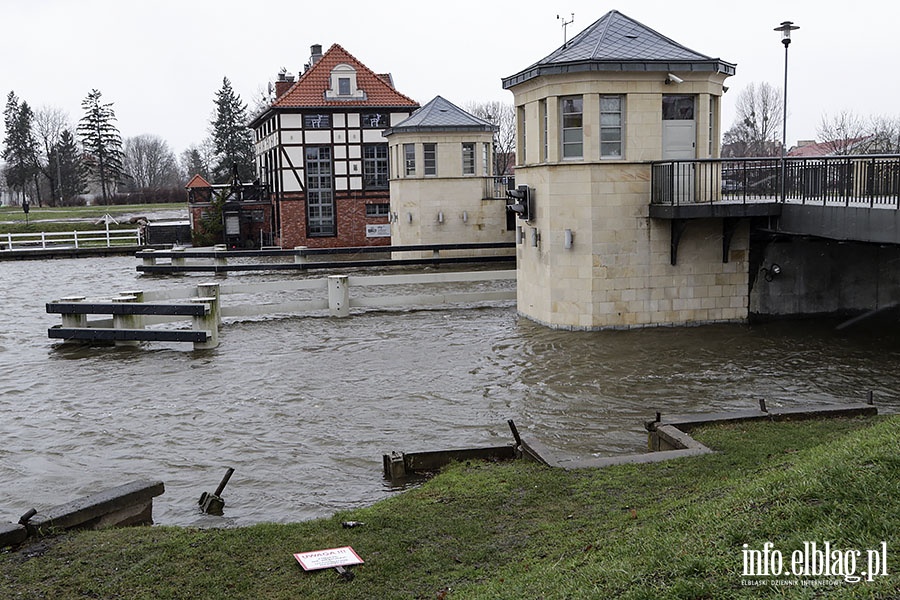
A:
(213, 504)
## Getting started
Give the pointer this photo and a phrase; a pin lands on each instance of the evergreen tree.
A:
(65, 158)
(20, 149)
(103, 143)
(194, 163)
(231, 137)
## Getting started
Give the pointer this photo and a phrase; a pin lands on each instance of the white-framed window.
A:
(572, 114)
(409, 158)
(485, 159)
(468, 158)
(343, 84)
(612, 126)
(430, 158)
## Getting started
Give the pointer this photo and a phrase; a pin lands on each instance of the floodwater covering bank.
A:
(304, 409)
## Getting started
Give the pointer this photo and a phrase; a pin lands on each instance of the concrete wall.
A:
(618, 271)
(820, 277)
(122, 506)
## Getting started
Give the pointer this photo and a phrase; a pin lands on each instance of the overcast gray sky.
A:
(160, 62)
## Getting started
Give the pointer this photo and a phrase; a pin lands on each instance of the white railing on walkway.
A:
(73, 239)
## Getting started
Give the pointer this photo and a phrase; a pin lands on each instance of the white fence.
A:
(71, 239)
(333, 293)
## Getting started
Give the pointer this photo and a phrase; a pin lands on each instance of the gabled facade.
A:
(442, 187)
(591, 116)
(321, 153)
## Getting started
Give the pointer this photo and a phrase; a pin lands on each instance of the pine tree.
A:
(195, 161)
(65, 158)
(103, 143)
(231, 136)
(20, 149)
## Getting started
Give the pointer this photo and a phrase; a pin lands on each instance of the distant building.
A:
(442, 186)
(246, 212)
(813, 149)
(322, 156)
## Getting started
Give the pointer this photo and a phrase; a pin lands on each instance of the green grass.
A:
(518, 530)
(12, 218)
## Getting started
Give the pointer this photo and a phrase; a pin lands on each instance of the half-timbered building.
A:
(322, 155)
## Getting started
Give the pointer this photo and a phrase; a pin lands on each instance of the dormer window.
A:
(343, 84)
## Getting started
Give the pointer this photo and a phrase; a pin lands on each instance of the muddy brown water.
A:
(304, 408)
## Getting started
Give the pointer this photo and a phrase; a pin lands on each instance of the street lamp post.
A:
(785, 28)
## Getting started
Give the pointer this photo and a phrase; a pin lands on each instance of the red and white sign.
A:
(326, 559)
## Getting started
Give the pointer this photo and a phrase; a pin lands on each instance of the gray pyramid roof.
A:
(619, 43)
(441, 115)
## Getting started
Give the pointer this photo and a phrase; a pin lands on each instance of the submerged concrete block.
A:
(12, 534)
(129, 504)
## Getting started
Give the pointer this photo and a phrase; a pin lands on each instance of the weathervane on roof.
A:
(565, 24)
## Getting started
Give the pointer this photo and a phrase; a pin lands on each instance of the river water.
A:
(303, 408)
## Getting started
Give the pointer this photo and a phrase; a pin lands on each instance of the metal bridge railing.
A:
(860, 181)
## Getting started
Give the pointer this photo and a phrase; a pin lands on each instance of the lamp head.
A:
(786, 28)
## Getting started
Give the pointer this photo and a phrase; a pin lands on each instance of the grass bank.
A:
(668, 530)
(73, 218)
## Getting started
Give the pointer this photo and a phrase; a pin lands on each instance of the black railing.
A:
(248, 192)
(496, 187)
(834, 180)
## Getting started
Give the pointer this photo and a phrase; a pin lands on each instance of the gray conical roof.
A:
(619, 43)
(441, 115)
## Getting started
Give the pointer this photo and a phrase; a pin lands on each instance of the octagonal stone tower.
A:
(591, 118)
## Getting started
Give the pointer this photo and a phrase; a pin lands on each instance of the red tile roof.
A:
(197, 181)
(814, 149)
(309, 90)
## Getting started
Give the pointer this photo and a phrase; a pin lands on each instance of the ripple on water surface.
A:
(303, 408)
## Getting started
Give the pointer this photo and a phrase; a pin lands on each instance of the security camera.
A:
(673, 79)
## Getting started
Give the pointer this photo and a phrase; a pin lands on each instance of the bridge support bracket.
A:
(729, 226)
(678, 226)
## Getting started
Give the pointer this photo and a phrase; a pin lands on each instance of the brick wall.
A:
(351, 221)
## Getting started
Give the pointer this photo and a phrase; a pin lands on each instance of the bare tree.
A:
(757, 127)
(49, 124)
(884, 135)
(843, 133)
(261, 100)
(150, 164)
(502, 116)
